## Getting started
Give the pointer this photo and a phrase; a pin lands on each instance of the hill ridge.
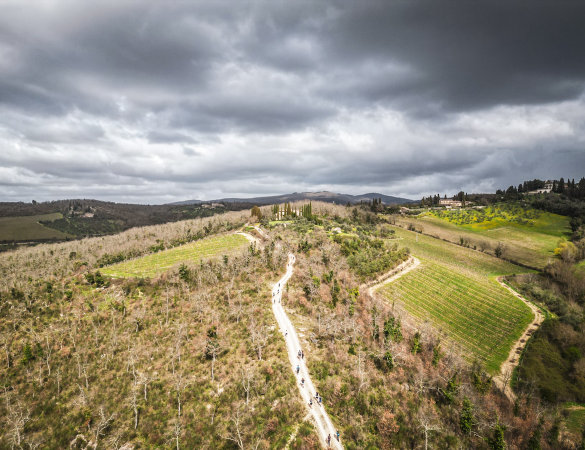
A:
(325, 196)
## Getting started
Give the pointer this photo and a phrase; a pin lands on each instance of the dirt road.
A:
(320, 417)
(397, 272)
(502, 380)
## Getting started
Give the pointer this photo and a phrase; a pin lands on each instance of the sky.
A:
(160, 101)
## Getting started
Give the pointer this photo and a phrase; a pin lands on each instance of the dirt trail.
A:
(317, 411)
(397, 272)
(252, 239)
(260, 231)
(502, 380)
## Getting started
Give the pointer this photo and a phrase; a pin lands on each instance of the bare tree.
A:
(248, 373)
(145, 379)
(179, 338)
(134, 403)
(259, 336)
(17, 417)
(81, 400)
(238, 307)
(180, 384)
(506, 376)
(428, 423)
(8, 337)
(361, 370)
(58, 381)
(420, 384)
(177, 432)
(167, 304)
(102, 425)
(47, 353)
(235, 431)
(138, 318)
(212, 350)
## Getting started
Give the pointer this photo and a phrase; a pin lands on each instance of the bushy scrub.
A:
(369, 257)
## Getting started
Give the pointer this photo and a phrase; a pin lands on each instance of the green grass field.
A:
(575, 418)
(28, 228)
(529, 236)
(456, 291)
(154, 264)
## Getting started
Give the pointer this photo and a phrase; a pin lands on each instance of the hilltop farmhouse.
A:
(450, 203)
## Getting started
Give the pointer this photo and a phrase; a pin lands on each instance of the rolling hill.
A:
(323, 196)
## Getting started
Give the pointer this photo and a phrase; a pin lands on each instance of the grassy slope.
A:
(575, 418)
(25, 228)
(455, 289)
(581, 268)
(530, 243)
(157, 263)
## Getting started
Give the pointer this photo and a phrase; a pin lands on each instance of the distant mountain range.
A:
(324, 196)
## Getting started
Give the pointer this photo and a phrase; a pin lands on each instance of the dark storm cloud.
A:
(468, 54)
(151, 101)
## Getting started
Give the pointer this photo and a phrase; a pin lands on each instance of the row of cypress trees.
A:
(305, 211)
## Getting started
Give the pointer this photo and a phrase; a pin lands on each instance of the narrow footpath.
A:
(297, 358)
(503, 379)
(402, 269)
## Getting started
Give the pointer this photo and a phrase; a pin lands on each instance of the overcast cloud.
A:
(154, 102)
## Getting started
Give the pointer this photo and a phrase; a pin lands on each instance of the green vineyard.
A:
(154, 264)
(480, 316)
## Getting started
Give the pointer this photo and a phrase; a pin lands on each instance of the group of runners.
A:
(329, 438)
(318, 399)
(301, 357)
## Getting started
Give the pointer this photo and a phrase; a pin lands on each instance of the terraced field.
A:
(154, 264)
(455, 290)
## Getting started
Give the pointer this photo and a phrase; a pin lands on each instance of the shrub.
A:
(416, 344)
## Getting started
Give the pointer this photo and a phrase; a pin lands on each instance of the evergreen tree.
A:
(534, 441)
(416, 344)
(437, 354)
(27, 353)
(256, 212)
(466, 419)
(451, 390)
(496, 441)
(389, 360)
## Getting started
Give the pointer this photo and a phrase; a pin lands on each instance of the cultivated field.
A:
(28, 228)
(529, 237)
(455, 290)
(157, 263)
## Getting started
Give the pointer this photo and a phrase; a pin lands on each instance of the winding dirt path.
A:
(502, 380)
(402, 269)
(252, 239)
(317, 411)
